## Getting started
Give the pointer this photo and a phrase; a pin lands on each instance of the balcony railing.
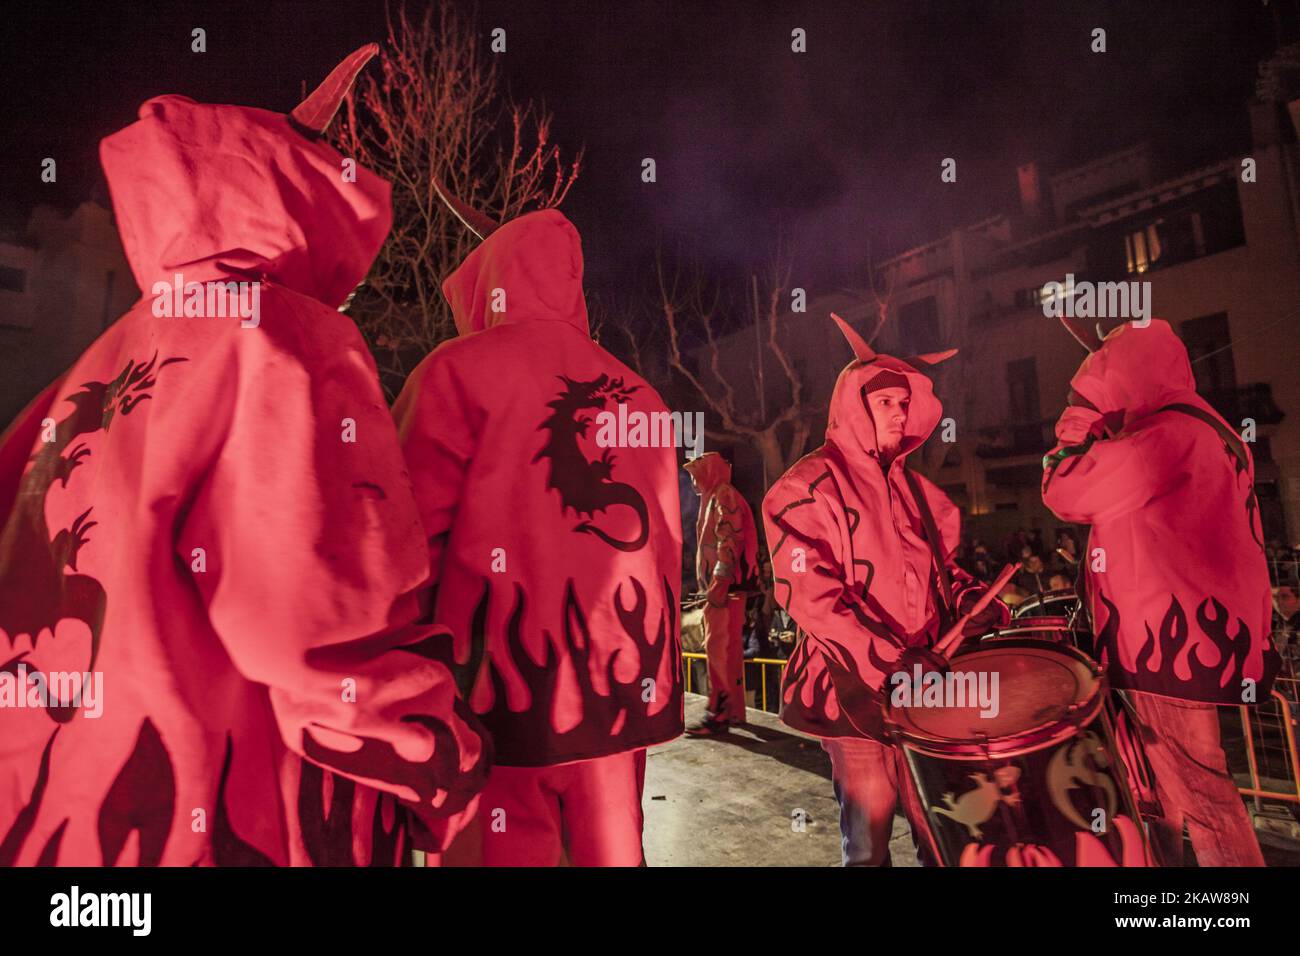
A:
(1253, 401)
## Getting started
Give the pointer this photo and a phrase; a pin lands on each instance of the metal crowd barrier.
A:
(1275, 729)
(763, 662)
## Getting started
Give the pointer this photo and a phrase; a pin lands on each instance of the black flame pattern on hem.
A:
(831, 674)
(1217, 682)
(528, 738)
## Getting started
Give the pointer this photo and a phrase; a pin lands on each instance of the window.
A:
(1029, 298)
(13, 280)
(1022, 391)
(1142, 248)
(1035, 296)
(918, 326)
(1209, 346)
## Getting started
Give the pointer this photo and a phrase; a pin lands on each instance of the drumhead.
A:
(1045, 691)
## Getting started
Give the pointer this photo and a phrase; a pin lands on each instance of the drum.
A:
(692, 626)
(1012, 757)
(1058, 630)
(1062, 603)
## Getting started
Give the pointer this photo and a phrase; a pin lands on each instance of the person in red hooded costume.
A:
(1175, 573)
(726, 568)
(863, 558)
(555, 545)
(213, 516)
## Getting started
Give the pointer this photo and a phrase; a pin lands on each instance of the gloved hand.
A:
(1077, 424)
(995, 615)
(717, 592)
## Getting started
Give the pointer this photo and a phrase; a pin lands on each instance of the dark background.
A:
(833, 149)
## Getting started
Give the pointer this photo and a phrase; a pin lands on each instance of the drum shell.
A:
(976, 814)
(1052, 628)
(1049, 603)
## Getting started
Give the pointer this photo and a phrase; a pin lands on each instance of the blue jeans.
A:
(869, 777)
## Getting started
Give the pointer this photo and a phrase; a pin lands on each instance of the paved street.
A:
(730, 801)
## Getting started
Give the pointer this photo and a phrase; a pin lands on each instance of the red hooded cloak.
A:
(1175, 571)
(190, 523)
(556, 561)
(850, 557)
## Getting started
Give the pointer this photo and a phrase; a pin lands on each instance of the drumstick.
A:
(949, 642)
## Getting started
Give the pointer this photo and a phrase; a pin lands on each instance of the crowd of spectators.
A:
(1045, 567)
(1284, 572)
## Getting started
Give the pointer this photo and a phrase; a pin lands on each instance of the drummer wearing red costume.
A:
(863, 560)
(1175, 571)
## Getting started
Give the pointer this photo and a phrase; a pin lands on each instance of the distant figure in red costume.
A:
(1176, 577)
(864, 560)
(726, 568)
(212, 515)
(555, 545)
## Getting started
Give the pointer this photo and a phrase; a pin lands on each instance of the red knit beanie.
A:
(887, 378)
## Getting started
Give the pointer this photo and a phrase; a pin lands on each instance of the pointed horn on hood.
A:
(930, 358)
(475, 221)
(316, 112)
(861, 350)
(1085, 336)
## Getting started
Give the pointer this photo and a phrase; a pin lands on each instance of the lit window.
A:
(1056, 291)
(1142, 249)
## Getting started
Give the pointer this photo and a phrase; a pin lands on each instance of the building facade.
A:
(1219, 246)
(1218, 243)
(63, 280)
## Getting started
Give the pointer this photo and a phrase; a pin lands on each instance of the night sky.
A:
(833, 148)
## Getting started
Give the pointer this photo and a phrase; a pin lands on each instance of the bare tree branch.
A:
(704, 350)
(433, 108)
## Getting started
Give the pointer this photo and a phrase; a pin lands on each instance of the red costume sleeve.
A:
(313, 551)
(806, 554)
(725, 524)
(437, 439)
(16, 445)
(1102, 478)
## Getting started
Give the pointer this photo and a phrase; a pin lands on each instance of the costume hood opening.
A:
(1136, 371)
(850, 425)
(536, 263)
(208, 191)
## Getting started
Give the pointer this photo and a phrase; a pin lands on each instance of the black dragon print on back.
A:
(39, 582)
(587, 486)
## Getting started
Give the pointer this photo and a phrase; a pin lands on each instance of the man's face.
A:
(888, 407)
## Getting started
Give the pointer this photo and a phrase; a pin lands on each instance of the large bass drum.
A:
(1024, 772)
